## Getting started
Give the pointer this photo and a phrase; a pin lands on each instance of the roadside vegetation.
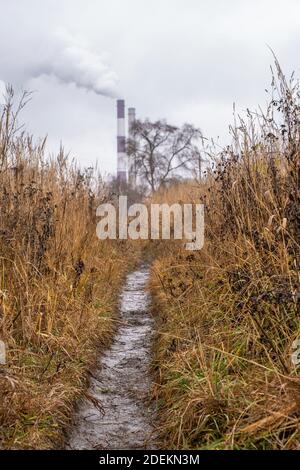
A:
(58, 285)
(227, 316)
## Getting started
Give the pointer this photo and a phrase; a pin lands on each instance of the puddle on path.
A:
(122, 381)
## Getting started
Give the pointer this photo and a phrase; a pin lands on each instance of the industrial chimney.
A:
(131, 120)
(122, 156)
(131, 159)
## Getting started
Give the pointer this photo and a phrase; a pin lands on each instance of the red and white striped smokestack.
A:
(131, 120)
(122, 156)
(131, 159)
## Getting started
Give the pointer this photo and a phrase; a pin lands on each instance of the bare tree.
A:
(161, 152)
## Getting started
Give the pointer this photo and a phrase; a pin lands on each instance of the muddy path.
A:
(122, 381)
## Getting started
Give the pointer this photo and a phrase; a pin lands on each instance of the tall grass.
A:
(58, 284)
(227, 316)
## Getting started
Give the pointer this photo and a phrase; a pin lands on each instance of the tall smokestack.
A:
(122, 156)
(131, 160)
(131, 119)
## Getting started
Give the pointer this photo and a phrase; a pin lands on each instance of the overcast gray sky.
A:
(183, 60)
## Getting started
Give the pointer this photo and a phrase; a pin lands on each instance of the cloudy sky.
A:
(183, 60)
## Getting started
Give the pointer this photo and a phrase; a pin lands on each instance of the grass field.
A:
(58, 286)
(227, 316)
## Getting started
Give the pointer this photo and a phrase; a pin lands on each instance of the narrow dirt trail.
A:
(122, 381)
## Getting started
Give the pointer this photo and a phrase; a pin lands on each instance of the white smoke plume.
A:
(73, 61)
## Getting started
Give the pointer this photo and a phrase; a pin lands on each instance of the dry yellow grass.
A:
(227, 316)
(58, 287)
